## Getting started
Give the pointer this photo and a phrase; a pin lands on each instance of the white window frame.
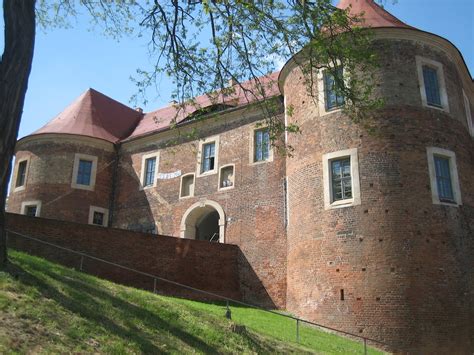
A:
(26, 204)
(453, 171)
(17, 168)
(252, 161)
(467, 106)
(329, 203)
(219, 188)
(78, 157)
(322, 92)
(155, 155)
(191, 190)
(203, 142)
(422, 61)
(105, 211)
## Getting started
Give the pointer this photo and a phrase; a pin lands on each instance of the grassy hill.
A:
(47, 308)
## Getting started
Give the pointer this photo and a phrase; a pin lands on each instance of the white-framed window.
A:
(432, 84)
(208, 156)
(21, 174)
(98, 216)
(31, 208)
(469, 118)
(226, 177)
(84, 172)
(186, 188)
(330, 100)
(341, 179)
(444, 179)
(260, 146)
(149, 170)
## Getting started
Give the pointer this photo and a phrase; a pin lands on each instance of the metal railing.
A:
(213, 238)
(228, 313)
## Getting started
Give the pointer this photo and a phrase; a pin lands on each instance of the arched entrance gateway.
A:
(204, 220)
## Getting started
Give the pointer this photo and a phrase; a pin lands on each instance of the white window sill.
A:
(207, 173)
(260, 162)
(342, 204)
(450, 204)
(444, 109)
(83, 187)
(225, 188)
(19, 188)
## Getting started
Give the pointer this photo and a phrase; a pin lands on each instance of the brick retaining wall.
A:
(208, 266)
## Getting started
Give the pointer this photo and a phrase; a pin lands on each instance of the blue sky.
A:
(69, 61)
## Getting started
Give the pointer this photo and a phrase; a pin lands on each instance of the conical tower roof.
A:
(373, 15)
(94, 115)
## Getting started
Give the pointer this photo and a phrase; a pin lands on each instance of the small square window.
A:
(226, 177)
(333, 98)
(84, 172)
(21, 175)
(208, 157)
(262, 145)
(150, 165)
(187, 186)
(430, 77)
(98, 218)
(31, 210)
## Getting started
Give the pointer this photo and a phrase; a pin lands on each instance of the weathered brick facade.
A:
(209, 266)
(396, 267)
(405, 264)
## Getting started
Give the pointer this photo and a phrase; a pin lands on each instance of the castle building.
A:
(367, 233)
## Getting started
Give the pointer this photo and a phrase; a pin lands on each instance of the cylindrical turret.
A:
(380, 234)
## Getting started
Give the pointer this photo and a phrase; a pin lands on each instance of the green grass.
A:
(47, 308)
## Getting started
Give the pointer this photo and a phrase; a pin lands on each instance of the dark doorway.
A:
(207, 227)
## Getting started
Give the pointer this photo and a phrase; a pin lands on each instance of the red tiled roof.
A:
(95, 115)
(373, 15)
(163, 117)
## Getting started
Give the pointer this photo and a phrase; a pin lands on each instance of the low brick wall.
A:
(207, 266)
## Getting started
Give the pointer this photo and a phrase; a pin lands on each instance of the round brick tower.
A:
(378, 243)
(65, 170)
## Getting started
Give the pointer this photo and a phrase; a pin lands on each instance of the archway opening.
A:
(207, 228)
(204, 221)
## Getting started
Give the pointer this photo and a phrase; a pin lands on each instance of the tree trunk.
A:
(15, 67)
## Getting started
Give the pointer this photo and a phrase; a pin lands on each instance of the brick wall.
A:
(208, 266)
(405, 264)
(254, 207)
(49, 177)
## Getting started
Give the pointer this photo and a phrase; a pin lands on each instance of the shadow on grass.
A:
(88, 301)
